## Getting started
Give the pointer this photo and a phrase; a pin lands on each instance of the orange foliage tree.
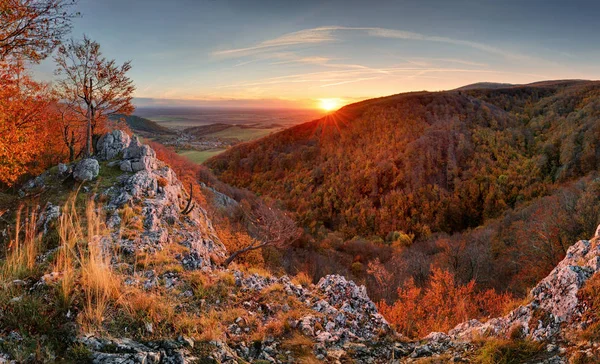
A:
(440, 305)
(71, 128)
(31, 29)
(24, 123)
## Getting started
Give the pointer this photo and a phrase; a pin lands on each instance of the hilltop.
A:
(143, 125)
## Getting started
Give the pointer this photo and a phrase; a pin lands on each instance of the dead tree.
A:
(189, 207)
(267, 226)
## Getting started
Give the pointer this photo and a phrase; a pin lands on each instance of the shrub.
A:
(495, 351)
(590, 296)
(440, 305)
(162, 182)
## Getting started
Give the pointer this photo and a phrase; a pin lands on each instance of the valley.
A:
(199, 133)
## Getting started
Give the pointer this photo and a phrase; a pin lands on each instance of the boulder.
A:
(110, 145)
(86, 170)
(126, 166)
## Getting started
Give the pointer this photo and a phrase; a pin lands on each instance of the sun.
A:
(329, 104)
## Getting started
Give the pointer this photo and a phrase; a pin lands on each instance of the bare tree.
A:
(94, 86)
(70, 125)
(267, 226)
(32, 29)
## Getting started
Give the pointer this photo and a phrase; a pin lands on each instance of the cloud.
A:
(306, 36)
(340, 77)
(328, 34)
(400, 34)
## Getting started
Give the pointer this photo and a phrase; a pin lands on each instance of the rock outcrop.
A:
(553, 302)
(112, 144)
(155, 188)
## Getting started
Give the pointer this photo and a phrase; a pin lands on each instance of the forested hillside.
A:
(410, 167)
(374, 167)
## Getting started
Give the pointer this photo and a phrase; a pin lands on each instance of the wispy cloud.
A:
(428, 61)
(349, 81)
(327, 34)
(306, 36)
(335, 78)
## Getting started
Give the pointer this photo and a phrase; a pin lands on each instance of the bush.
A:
(497, 351)
(590, 296)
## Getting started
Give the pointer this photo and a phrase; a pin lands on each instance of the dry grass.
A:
(150, 313)
(590, 295)
(497, 351)
(250, 270)
(69, 232)
(206, 327)
(300, 345)
(23, 249)
(163, 260)
(131, 221)
(302, 279)
(100, 284)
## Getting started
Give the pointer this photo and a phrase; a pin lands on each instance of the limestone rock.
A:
(49, 213)
(554, 299)
(112, 144)
(86, 170)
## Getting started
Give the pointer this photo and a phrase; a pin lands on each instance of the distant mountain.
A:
(495, 85)
(140, 124)
(484, 85)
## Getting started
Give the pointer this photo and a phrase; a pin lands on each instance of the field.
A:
(211, 131)
(199, 157)
(243, 134)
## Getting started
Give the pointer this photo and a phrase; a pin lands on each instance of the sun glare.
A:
(329, 104)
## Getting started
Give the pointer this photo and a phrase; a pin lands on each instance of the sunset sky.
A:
(293, 53)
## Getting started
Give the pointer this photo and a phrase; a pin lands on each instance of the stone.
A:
(86, 170)
(62, 168)
(49, 214)
(125, 166)
(112, 144)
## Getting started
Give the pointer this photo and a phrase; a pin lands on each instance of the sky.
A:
(288, 53)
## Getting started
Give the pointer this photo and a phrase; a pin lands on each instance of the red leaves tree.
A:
(31, 29)
(93, 86)
(440, 305)
(23, 122)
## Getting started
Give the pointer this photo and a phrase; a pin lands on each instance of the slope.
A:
(374, 167)
(140, 124)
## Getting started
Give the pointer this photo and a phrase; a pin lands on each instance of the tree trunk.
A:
(72, 147)
(88, 133)
(241, 251)
(90, 117)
